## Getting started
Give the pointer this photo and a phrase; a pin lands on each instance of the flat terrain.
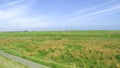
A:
(7, 63)
(65, 49)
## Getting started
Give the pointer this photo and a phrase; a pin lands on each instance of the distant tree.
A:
(25, 31)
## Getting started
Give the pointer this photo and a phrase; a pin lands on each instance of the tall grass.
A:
(67, 49)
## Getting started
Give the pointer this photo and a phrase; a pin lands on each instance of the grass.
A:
(65, 49)
(7, 63)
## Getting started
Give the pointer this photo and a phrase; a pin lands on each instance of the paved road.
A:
(23, 61)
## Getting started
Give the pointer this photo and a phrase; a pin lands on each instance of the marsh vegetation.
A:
(65, 49)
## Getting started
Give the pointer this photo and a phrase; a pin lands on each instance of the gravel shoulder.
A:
(23, 61)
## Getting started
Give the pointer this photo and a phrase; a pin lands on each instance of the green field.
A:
(7, 63)
(65, 49)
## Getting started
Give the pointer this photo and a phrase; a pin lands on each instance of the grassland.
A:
(65, 49)
(7, 63)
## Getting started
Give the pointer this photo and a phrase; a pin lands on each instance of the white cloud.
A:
(115, 7)
(90, 8)
(38, 21)
(14, 11)
(15, 16)
(11, 3)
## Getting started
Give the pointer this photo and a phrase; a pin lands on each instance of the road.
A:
(23, 61)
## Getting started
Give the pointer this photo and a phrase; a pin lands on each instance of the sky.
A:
(20, 15)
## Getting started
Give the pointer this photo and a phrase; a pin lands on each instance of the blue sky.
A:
(59, 15)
